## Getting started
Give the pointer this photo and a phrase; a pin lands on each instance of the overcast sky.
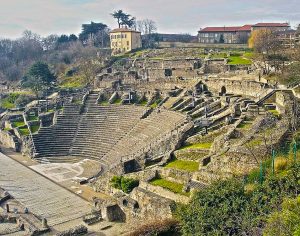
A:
(172, 16)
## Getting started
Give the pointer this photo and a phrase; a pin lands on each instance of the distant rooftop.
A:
(227, 29)
(123, 30)
(242, 28)
(271, 25)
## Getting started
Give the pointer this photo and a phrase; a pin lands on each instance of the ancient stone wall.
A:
(238, 87)
(214, 66)
(175, 175)
(164, 192)
(8, 140)
(148, 206)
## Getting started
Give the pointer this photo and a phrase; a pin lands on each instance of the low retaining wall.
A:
(238, 87)
(164, 192)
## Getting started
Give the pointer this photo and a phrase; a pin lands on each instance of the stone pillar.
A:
(7, 208)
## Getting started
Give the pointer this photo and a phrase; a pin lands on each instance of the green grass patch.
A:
(155, 104)
(118, 101)
(143, 102)
(244, 125)
(24, 131)
(104, 103)
(218, 56)
(72, 82)
(18, 123)
(32, 118)
(7, 104)
(7, 129)
(249, 55)
(255, 142)
(171, 186)
(197, 146)
(191, 166)
(34, 128)
(274, 112)
(236, 60)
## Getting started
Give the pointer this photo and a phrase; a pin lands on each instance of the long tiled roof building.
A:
(235, 34)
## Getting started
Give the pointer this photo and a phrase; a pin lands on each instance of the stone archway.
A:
(223, 90)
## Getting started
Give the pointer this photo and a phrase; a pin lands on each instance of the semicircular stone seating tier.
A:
(104, 133)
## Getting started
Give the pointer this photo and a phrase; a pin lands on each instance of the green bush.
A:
(124, 184)
(287, 221)
(228, 208)
(128, 185)
(116, 182)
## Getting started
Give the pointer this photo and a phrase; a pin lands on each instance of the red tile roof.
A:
(242, 28)
(227, 29)
(245, 28)
(271, 25)
(220, 29)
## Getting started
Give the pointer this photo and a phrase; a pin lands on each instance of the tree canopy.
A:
(123, 19)
(38, 77)
(264, 41)
(93, 33)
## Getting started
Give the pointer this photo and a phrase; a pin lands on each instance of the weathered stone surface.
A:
(44, 197)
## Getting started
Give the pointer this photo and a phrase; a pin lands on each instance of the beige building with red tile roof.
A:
(235, 34)
(124, 40)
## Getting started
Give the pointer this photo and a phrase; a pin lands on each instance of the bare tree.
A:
(49, 42)
(146, 26)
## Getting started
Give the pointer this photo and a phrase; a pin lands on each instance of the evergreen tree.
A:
(38, 78)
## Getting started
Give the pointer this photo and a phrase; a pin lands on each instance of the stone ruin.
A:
(17, 219)
(138, 116)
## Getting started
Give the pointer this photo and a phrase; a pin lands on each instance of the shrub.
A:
(280, 164)
(124, 184)
(249, 188)
(116, 182)
(128, 185)
(287, 221)
(225, 208)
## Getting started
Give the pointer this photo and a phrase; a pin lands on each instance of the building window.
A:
(127, 43)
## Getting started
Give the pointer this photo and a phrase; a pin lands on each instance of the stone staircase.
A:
(107, 133)
(145, 133)
(56, 139)
(264, 96)
(101, 127)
